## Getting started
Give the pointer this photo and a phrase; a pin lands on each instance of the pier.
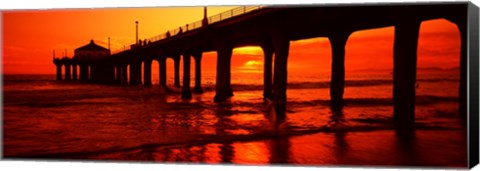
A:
(272, 28)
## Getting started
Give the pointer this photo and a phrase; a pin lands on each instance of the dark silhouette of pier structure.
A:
(272, 28)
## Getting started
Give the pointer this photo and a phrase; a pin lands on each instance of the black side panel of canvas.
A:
(473, 46)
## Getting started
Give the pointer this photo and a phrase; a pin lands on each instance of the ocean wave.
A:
(352, 102)
(366, 102)
(326, 84)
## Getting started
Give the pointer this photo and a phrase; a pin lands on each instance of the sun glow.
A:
(248, 50)
(252, 66)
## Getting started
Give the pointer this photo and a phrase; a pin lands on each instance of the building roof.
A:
(92, 47)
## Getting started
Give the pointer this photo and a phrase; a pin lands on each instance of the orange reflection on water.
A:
(212, 153)
(250, 153)
(247, 119)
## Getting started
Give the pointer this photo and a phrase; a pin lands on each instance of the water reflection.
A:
(337, 146)
(279, 148)
(252, 152)
(338, 122)
(143, 124)
(226, 152)
(405, 146)
(223, 121)
(337, 118)
(271, 150)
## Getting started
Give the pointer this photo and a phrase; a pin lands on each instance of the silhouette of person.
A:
(186, 27)
(180, 31)
(168, 34)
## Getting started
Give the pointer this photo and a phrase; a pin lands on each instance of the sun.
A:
(253, 63)
(248, 50)
(252, 66)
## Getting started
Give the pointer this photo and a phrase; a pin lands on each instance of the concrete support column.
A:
(337, 83)
(135, 72)
(198, 73)
(176, 60)
(103, 73)
(462, 92)
(404, 74)
(111, 73)
(89, 72)
(228, 70)
(118, 77)
(132, 73)
(68, 73)
(222, 87)
(97, 73)
(281, 46)
(267, 72)
(124, 78)
(103, 70)
(74, 72)
(147, 72)
(93, 73)
(186, 93)
(83, 72)
(59, 71)
(138, 72)
(163, 71)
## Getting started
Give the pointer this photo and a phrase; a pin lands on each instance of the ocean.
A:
(67, 120)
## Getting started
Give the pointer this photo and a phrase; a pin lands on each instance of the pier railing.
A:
(198, 24)
(232, 13)
(213, 19)
(120, 50)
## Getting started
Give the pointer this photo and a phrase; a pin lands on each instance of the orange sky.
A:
(30, 36)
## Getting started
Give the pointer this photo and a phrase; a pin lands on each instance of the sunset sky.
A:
(30, 36)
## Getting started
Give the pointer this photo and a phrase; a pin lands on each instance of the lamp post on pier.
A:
(205, 19)
(136, 31)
